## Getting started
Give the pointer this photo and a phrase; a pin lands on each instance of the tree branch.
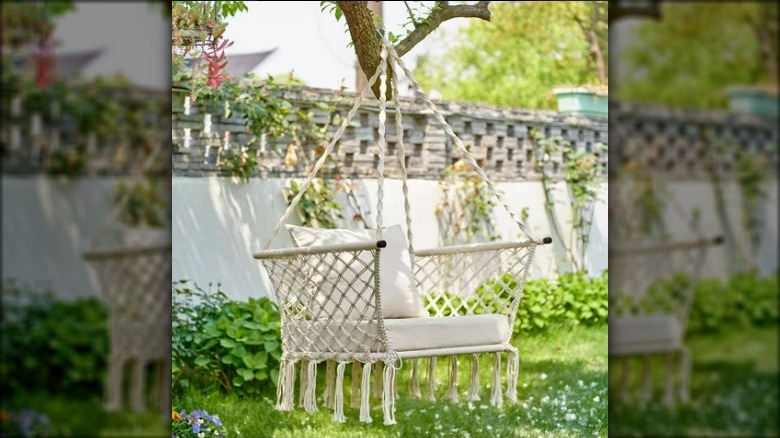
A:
(441, 13)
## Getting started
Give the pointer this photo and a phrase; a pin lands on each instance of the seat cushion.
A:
(644, 334)
(397, 286)
(412, 334)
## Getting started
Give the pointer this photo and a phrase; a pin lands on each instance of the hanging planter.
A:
(582, 101)
(753, 100)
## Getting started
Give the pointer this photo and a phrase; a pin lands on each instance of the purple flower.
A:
(195, 428)
(216, 420)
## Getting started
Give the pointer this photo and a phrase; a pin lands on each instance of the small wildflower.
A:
(570, 416)
(543, 376)
(596, 399)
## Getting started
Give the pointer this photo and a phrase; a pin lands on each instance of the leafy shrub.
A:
(744, 299)
(572, 298)
(52, 345)
(233, 345)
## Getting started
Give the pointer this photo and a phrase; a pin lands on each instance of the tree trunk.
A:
(594, 39)
(368, 45)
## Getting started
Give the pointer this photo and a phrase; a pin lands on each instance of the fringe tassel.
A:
(496, 398)
(338, 395)
(304, 382)
(330, 381)
(474, 389)
(388, 395)
(310, 397)
(432, 378)
(414, 382)
(452, 391)
(378, 381)
(512, 367)
(354, 398)
(365, 394)
(286, 386)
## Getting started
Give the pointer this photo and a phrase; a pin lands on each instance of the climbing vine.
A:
(751, 173)
(318, 206)
(466, 206)
(582, 173)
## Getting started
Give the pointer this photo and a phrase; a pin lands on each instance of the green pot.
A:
(581, 101)
(754, 101)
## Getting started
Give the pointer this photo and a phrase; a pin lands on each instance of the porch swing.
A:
(369, 298)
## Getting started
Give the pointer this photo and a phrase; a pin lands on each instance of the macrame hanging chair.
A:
(652, 288)
(134, 278)
(334, 308)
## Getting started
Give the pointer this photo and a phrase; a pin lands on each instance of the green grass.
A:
(72, 417)
(734, 390)
(563, 371)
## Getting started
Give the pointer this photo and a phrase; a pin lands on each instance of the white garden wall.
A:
(219, 222)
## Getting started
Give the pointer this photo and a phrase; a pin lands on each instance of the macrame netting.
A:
(134, 281)
(476, 279)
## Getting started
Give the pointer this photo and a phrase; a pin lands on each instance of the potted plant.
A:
(584, 100)
(143, 213)
(754, 100)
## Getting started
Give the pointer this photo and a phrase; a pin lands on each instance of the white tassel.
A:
(304, 382)
(496, 398)
(388, 395)
(512, 367)
(414, 382)
(330, 381)
(354, 400)
(432, 378)
(378, 381)
(452, 391)
(310, 397)
(286, 386)
(474, 389)
(280, 384)
(338, 394)
(365, 394)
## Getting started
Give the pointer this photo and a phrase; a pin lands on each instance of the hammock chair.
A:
(134, 278)
(652, 286)
(368, 298)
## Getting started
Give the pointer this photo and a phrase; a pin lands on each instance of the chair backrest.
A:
(656, 277)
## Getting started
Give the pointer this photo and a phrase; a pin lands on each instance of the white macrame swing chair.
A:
(654, 325)
(134, 278)
(336, 303)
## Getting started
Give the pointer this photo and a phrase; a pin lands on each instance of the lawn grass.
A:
(74, 417)
(734, 390)
(562, 371)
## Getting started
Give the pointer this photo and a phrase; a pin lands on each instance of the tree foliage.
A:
(517, 59)
(688, 58)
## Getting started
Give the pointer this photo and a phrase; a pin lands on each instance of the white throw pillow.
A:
(397, 286)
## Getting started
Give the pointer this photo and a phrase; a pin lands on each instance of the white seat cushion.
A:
(644, 334)
(413, 334)
(397, 285)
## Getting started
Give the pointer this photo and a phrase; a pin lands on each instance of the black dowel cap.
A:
(717, 240)
(547, 240)
(381, 244)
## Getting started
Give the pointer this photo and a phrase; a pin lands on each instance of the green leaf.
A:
(227, 343)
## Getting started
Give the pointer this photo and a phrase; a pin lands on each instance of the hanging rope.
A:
(321, 161)
(448, 129)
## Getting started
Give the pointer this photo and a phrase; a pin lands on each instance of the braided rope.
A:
(380, 191)
(399, 133)
(448, 129)
(321, 161)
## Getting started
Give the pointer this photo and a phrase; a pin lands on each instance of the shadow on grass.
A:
(730, 396)
(79, 417)
(570, 401)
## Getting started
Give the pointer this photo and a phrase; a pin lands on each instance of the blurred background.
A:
(85, 211)
(693, 129)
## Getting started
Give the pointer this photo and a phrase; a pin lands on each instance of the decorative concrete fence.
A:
(499, 137)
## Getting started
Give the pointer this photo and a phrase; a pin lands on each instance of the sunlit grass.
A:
(734, 390)
(562, 391)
